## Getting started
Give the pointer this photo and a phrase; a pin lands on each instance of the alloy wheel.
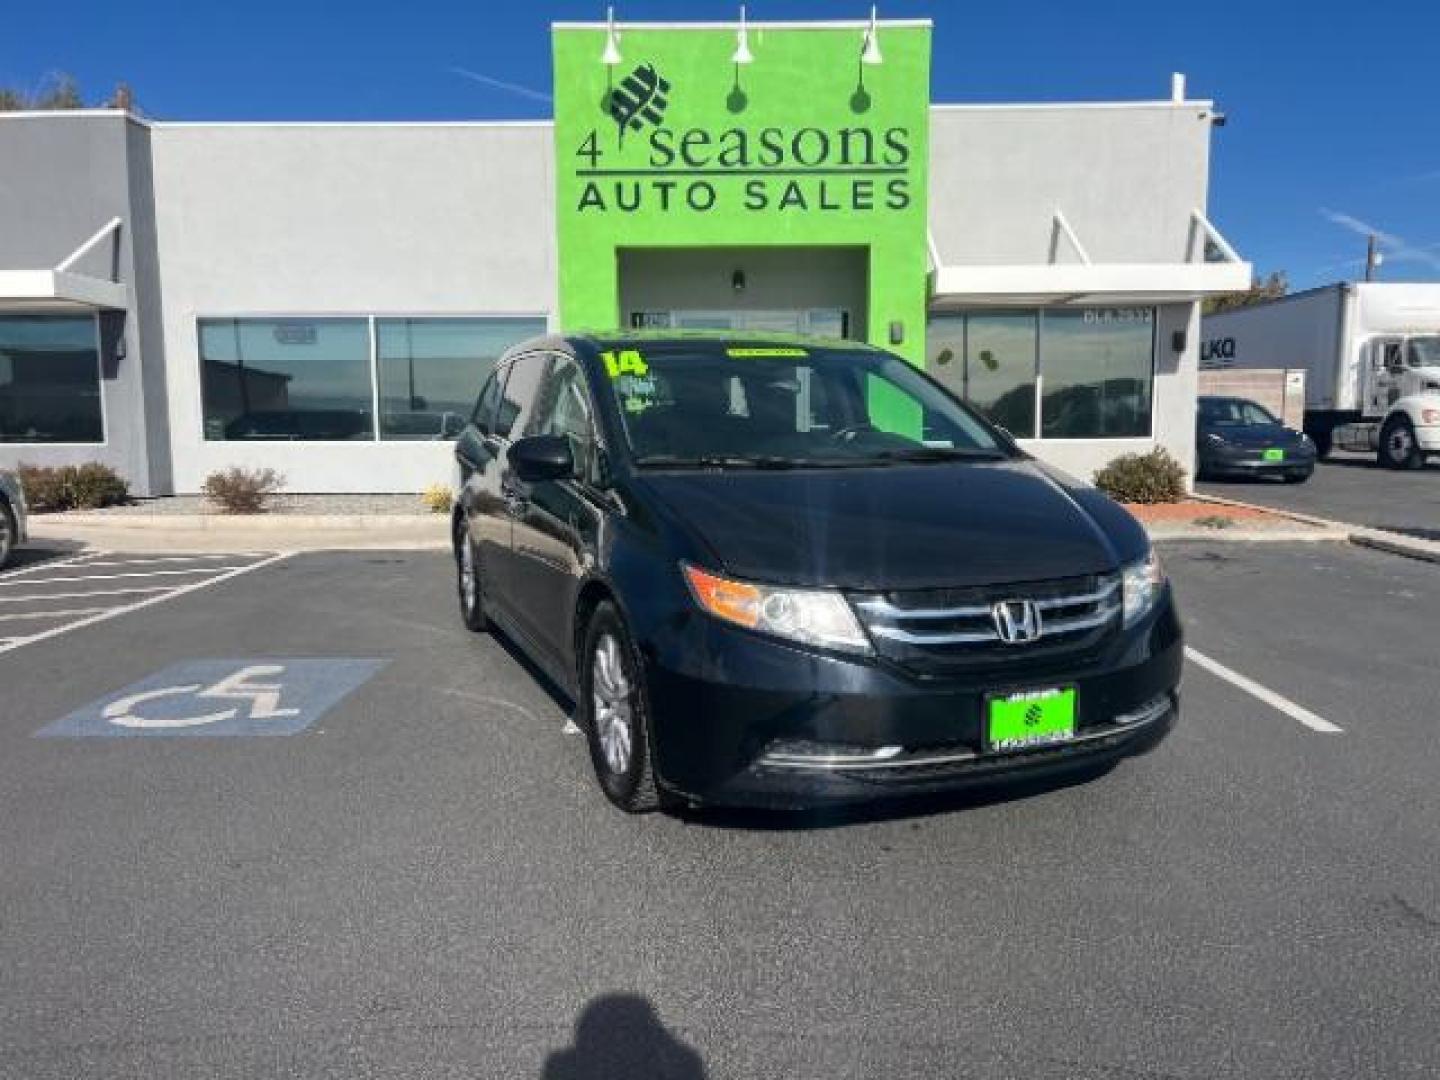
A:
(612, 696)
(469, 585)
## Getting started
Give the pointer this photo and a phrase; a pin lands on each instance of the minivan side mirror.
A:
(542, 457)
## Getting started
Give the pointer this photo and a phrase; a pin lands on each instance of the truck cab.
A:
(1400, 400)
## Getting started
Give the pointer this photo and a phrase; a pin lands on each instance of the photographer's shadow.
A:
(619, 1037)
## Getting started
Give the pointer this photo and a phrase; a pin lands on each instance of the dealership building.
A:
(325, 298)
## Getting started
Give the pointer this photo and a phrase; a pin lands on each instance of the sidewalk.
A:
(198, 533)
(1395, 543)
(1199, 519)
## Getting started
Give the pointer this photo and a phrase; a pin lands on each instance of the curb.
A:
(1393, 543)
(1397, 544)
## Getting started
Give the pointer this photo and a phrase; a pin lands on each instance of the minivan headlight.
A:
(810, 616)
(1142, 583)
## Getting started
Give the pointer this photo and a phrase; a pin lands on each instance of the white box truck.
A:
(1371, 352)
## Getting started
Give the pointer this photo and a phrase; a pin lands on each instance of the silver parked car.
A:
(12, 515)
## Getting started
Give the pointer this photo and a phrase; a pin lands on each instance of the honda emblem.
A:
(1016, 621)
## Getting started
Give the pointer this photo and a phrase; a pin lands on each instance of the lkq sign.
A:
(1217, 352)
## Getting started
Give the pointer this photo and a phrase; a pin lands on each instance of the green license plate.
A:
(1030, 718)
(1274, 454)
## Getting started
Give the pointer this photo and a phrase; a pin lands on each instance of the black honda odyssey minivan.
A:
(784, 572)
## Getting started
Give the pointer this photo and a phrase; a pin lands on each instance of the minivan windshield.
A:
(788, 406)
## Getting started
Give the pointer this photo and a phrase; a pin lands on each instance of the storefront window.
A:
(50, 379)
(1098, 365)
(1000, 368)
(429, 368)
(286, 379)
(945, 352)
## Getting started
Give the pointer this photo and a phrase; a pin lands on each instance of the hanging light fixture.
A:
(743, 55)
(611, 56)
(871, 53)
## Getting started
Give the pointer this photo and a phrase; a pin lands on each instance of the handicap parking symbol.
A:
(220, 697)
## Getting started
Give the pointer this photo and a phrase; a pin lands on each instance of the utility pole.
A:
(1372, 258)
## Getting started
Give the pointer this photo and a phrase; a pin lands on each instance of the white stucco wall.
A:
(1126, 176)
(458, 219)
(356, 219)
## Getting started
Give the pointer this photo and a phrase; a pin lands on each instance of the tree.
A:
(1269, 288)
(60, 91)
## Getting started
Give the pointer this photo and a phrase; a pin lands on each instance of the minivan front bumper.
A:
(743, 720)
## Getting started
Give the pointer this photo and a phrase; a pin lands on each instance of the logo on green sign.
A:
(640, 98)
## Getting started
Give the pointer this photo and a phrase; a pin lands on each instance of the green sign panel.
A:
(679, 147)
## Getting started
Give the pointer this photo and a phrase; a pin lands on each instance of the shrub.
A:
(73, 487)
(242, 491)
(438, 498)
(1155, 477)
(97, 485)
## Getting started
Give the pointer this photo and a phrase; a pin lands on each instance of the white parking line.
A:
(30, 597)
(112, 559)
(9, 644)
(127, 574)
(51, 565)
(71, 613)
(1265, 694)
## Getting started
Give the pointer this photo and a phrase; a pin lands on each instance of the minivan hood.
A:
(903, 527)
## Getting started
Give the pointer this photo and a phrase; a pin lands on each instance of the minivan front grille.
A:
(943, 629)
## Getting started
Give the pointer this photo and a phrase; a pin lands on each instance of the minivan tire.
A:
(1399, 449)
(615, 715)
(468, 582)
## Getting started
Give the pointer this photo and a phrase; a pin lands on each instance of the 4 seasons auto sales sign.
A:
(678, 146)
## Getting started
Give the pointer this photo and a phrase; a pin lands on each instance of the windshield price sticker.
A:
(624, 362)
(757, 353)
(637, 392)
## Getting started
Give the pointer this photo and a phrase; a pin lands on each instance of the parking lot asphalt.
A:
(425, 881)
(1351, 488)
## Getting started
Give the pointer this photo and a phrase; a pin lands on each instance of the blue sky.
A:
(1334, 109)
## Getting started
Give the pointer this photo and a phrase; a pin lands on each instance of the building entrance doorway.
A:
(813, 322)
(816, 291)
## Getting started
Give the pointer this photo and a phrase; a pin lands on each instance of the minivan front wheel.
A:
(467, 582)
(612, 700)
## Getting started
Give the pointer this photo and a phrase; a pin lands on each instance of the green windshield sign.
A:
(678, 147)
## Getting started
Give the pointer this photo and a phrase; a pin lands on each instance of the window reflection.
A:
(1098, 365)
(1000, 368)
(429, 368)
(945, 352)
(49, 379)
(286, 379)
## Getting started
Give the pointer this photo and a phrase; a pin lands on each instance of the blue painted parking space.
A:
(237, 697)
